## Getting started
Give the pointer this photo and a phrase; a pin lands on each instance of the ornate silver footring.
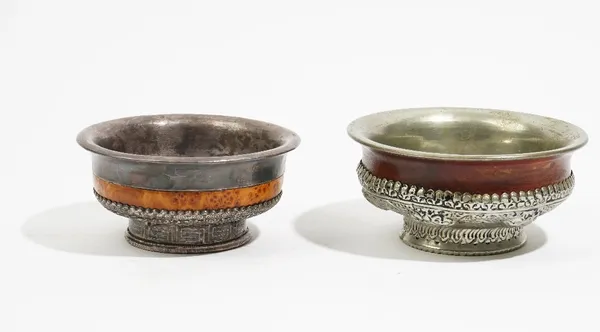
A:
(462, 241)
(463, 224)
(187, 240)
(187, 232)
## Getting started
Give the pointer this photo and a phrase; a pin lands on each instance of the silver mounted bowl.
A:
(466, 180)
(187, 182)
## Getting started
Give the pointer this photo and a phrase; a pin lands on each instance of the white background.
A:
(325, 260)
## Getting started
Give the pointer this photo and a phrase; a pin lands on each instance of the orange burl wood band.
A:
(188, 200)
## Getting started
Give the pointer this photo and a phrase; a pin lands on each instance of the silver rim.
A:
(567, 136)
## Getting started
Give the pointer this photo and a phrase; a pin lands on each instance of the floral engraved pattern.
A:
(446, 208)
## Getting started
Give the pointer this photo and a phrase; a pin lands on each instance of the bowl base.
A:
(462, 241)
(187, 249)
(187, 239)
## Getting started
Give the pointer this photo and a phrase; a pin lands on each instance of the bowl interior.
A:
(464, 135)
(465, 132)
(187, 136)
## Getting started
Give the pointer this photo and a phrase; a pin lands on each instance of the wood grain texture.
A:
(469, 176)
(188, 200)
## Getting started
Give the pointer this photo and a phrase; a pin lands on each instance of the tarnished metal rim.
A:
(290, 140)
(464, 201)
(187, 217)
(360, 128)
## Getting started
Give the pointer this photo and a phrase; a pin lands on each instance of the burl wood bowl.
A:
(187, 183)
(466, 180)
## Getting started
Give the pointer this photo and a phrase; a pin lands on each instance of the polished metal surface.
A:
(466, 134)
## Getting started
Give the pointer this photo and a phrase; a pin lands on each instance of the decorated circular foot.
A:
(462, 241)
(181, 248)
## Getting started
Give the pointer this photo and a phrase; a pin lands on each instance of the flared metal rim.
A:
(360, 128)
(86, 139)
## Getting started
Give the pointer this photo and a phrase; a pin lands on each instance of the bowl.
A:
(187, 182)
(466, 180)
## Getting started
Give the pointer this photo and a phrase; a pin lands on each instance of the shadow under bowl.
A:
(466, 180)
(187, 182)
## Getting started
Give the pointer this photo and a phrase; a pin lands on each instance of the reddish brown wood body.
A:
(469, 176)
